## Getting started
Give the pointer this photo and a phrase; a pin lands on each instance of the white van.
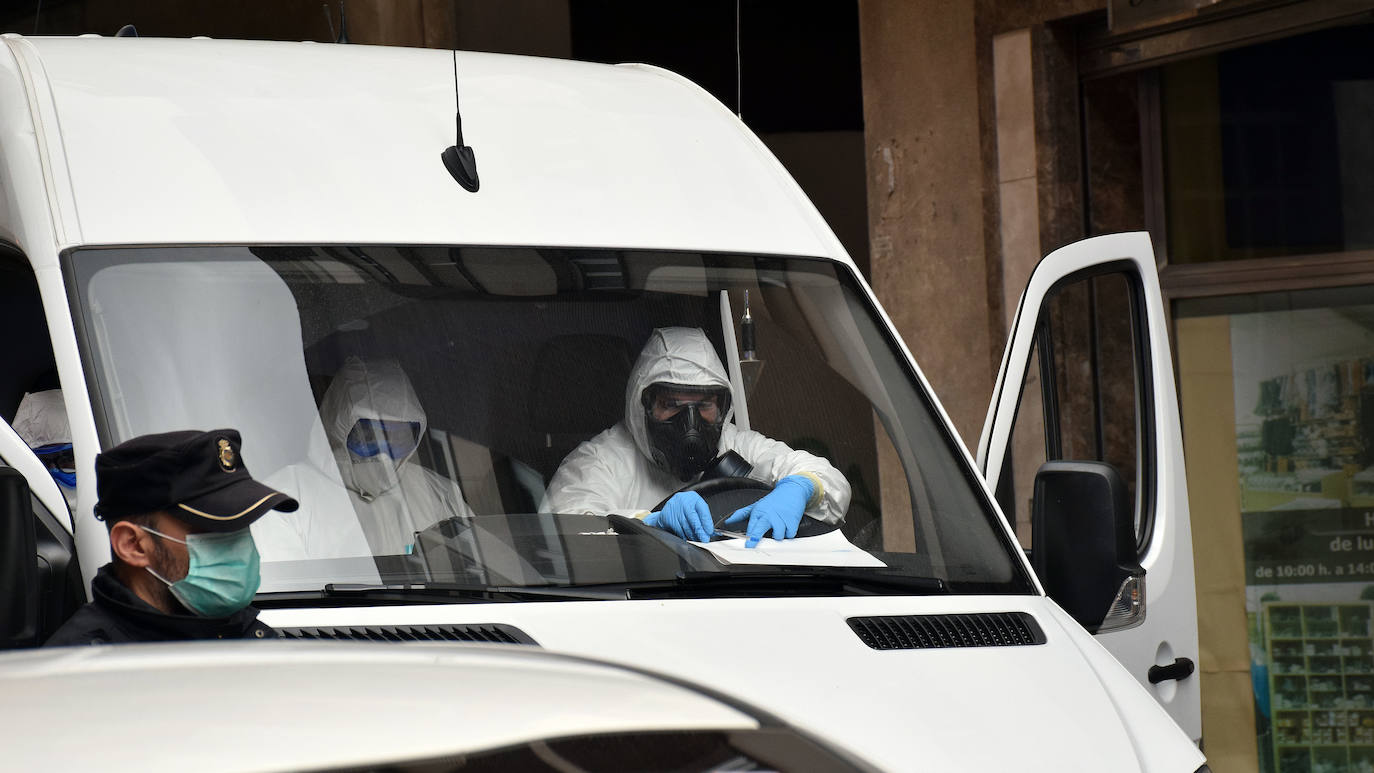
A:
(203, 234)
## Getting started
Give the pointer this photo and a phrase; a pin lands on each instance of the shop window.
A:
(1269, 150)
(1278, 400)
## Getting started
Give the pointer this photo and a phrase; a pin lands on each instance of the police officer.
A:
(178, 506)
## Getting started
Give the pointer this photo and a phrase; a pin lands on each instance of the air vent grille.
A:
(916, 632)
(493, 633)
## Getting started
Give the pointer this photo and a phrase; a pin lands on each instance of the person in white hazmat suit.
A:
(375, 423)
(677, 407)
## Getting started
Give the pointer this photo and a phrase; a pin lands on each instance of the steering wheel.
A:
(723, 495)
(726, 495)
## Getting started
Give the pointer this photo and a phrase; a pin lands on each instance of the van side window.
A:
(1083, 395)
(27, 349)
(29, 363)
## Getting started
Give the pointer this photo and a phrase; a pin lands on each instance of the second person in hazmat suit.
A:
(41, 422)
(677, 406)
(375, 424)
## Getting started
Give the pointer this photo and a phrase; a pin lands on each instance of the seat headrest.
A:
(579, 384)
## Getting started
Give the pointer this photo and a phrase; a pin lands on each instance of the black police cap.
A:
(198, 477)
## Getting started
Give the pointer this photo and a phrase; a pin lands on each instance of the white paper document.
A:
(829, 549)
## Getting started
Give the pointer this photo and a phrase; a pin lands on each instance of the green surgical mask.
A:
(223, 575)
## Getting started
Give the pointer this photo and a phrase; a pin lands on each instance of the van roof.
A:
(207, 141)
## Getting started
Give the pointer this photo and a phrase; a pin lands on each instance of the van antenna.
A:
(342, 36)
(739, 68)
(458, 158)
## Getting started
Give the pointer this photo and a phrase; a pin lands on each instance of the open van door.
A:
(1087, 377)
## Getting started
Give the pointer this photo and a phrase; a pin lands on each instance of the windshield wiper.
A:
(801, 581)
(774, 581)
(447, 593)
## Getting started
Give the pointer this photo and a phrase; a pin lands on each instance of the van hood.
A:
(1059, 706)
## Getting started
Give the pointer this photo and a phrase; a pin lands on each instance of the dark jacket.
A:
(118, 616)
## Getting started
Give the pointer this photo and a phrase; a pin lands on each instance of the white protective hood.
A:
(673, 355)
(372, 389)
(42, 419)
(394, 498)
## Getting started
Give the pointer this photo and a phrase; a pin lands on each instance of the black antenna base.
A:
(461, 162)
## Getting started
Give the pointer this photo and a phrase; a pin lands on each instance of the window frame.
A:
(1145, 415)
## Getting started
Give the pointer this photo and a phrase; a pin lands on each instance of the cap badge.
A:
(226, 456)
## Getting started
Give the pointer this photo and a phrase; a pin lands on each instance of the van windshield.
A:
(483, 420)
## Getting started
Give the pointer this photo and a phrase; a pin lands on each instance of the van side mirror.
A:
(18, 563)
(1083, 539)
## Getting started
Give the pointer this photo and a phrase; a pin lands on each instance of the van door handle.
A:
(1181, 668)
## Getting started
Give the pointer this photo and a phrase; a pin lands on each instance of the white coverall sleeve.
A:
(449, 498)
(582, 484)
(774, 461)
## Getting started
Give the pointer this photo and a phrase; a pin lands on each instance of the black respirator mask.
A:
(684, 444)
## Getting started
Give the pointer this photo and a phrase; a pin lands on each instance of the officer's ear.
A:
(131, 545)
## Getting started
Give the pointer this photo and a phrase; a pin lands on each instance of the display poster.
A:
(1304, 409)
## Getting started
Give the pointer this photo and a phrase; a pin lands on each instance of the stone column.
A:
(417, 23)
(925, 197)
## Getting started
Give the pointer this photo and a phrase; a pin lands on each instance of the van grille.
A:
(494, 633)
(916, 632)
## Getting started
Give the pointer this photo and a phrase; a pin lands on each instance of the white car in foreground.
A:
(259, 706)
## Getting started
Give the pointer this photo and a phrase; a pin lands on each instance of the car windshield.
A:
(484, 419)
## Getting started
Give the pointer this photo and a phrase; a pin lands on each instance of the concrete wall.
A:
(829, 167)
(973, 161)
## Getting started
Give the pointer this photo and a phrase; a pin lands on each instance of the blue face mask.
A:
(223, 575)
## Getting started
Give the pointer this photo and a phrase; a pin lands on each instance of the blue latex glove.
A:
(780, 511)
(686, 515)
